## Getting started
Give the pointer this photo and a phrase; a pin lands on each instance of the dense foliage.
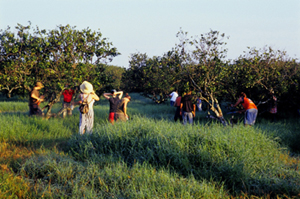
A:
(200, 64)
(54, 57)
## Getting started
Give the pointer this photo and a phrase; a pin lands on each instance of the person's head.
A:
(86, 87)
(127, 97)
(243, 94)
(39, 85)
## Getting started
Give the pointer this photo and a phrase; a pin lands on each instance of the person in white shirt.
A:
(173, 96)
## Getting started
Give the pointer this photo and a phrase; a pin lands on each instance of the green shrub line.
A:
(149, 156)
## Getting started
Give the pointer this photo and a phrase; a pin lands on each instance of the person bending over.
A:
(250, 109)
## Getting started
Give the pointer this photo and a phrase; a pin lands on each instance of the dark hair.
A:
(127, 96)
(243, 94)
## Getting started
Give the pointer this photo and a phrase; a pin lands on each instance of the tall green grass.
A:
(149, 156)
(243, 158)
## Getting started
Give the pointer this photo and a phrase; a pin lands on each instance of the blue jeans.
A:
(250, 116)
(172, 103)
(187, 115)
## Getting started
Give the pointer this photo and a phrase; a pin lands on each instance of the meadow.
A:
(149, 156)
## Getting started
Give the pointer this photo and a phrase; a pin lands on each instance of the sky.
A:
(150, 26)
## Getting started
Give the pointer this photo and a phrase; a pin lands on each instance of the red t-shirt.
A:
(68, 95)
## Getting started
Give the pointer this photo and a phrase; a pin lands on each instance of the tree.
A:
(261, 71)
(114, 77)
(205, 69)
(55, 57)
(155, 77)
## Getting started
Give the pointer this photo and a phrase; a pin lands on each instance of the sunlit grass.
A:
(149, 156)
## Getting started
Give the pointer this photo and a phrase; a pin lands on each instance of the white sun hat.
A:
(86, 87)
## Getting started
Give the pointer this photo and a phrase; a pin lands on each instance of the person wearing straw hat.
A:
(35, 99)
(113, 103)
(86, 121)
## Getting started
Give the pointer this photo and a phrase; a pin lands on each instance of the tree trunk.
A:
(50, 105)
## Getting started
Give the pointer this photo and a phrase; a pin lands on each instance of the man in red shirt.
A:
(178, 109)
(68, 94)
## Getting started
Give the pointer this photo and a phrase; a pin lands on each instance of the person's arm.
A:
(181, 105)
(78, 102)
(237, 103)
(39, 99)
(125, 108)
(194, 110)
(120, 93)
(95, 96)
(106, 95)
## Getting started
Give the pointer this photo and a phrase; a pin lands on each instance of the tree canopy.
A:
(55, 57)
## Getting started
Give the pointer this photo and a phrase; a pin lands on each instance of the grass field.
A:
(149, 156)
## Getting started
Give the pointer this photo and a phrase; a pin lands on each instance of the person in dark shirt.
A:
(35, 100)
(113, 103)
(188, 108)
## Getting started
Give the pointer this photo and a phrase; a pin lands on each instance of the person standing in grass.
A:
(35, 100)
(177, 112)
(173, 96)
(272, 105)
(199, 103)
(188, 108)
(86, 120)
(68, 94)
(121, 112)
(250, 109)
(113, 103)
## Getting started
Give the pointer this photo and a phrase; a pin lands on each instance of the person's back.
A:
(88, 98)
(187, 105)
(113, 104)
(120, 106)
(188, 108)
(248, 104)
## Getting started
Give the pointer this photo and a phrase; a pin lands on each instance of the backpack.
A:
(84, 106)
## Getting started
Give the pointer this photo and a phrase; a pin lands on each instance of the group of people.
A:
(117, 111)
(186, 107)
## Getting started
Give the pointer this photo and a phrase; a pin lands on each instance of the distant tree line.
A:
(200, 64)
(68, 56)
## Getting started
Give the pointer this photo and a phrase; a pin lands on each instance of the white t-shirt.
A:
(174, 95)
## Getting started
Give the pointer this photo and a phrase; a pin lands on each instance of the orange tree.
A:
(55, 57)
(154, 77)
(261, 71)
(205, 68)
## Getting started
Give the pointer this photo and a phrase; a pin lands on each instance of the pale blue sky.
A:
(150, 26)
